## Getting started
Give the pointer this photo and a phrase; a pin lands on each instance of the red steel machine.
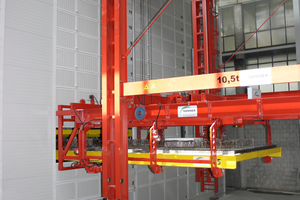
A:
(122, 105)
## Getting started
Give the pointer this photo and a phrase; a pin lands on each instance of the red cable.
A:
(252, 35)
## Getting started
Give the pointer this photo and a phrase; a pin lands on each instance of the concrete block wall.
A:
(284, 172)
(176, 183)
(26, 104)
(78, 67)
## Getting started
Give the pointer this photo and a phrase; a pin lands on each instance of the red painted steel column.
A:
(268, 126)
(114, 113)
(60, 140)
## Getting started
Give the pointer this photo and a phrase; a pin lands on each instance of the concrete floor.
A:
(247, 195)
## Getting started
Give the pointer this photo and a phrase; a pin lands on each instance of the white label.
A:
(187, 111)
(256, 77)
(200, 158)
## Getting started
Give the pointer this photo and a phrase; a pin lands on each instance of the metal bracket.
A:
(155, 168)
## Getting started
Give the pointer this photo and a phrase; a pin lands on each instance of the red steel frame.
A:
(116, 113)
(205, 43)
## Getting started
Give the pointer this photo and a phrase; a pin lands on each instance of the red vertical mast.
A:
(114, 116)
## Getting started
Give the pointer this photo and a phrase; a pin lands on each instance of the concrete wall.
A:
(26, 103)
(283, 173)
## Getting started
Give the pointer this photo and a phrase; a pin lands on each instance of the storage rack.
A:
(119, 110)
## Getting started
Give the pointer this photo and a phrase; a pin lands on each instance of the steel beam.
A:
(243, 78)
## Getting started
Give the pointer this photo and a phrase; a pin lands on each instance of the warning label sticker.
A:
(153, 87)
(187, 111)
(146, 87)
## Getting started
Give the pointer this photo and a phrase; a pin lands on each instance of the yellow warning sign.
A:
(153, 87)
(146, 87)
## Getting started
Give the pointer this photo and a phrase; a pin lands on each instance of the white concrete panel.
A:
(65, 58)
(156, 29)
(180, 51)
(156, 43)
(168, 20)
(188, 29)
(157, 191)
(34, 124)
(189, 43)
(27, 85)
(64, 96)
(179, 8)
(66, 191)
(68, 5)
(88, 10)
(192, 188)
(168, 34)
(67, 175)
(65, 39)
(65, 20)
(168, 60)
(143, 193)
(31, 50)
(88, 27)
(188, 54)
(95, 1)
(180, 73)
(180, 63)
(156, 71)
(88, 63)
(170, 9)
(188, 12)
(28, 15)
(179, 38)
(168, 47)
(89, 188)
(33, 188)
(169, 72)
(156, 57)
(132, 168)
(34, 156)
(131, 181)
(155, 177)
(171, 190)
(156, 4)
(88, 81)
(129, 39)
(65, 78)
(142, 178)
(182, 171)
(88, 45)
(171, 172)
(182, 188)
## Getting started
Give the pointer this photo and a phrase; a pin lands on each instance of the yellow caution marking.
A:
(146, 87)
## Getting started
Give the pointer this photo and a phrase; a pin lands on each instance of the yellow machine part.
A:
(224, 161)
(91, 133)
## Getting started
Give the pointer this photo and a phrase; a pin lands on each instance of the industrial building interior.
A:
(92, 92)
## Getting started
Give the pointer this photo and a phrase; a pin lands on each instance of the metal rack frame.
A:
(118, 110)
